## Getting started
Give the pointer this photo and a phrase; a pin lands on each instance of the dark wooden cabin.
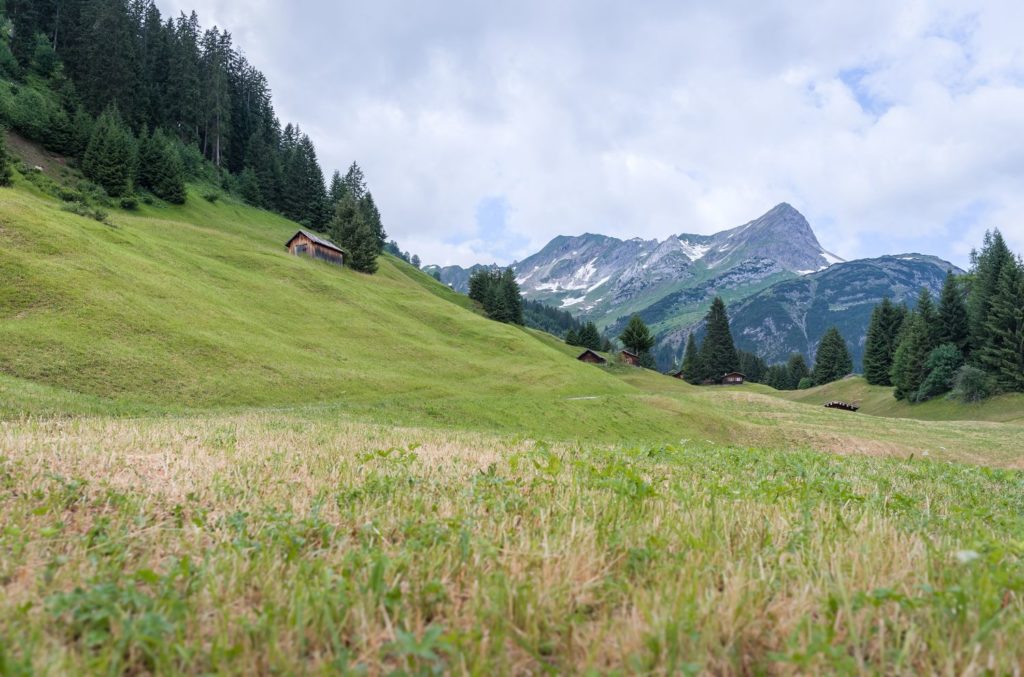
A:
(590, 357)
(630, 358)
(306, 244)
(677, 374)
(733, 378)
(845, 406)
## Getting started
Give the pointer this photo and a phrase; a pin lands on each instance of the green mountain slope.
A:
(169, 309)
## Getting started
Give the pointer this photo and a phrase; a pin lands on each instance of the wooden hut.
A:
(677, 374)
(304, 243)
(629, 358)
(590, 357)
(845, 406)
(733, 378)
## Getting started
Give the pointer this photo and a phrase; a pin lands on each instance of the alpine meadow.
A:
(244, 430)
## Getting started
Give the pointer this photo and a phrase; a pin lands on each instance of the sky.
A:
(485, 129)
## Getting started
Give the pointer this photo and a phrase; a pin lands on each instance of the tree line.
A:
(498, 293)
(145, 103)
(709, 360)
(970, 343)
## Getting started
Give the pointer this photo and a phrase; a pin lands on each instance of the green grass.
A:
(277, 543)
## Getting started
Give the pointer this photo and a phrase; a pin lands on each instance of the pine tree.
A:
(5, 161)
(160, 168)
(796, 371)
(355, 182)
(363, 248)
(590, 337)
(882, 340)
(987, 267)
(571, 338)
(636, 336)
(110, 158)
(372, 216)
(930, 318)
(832, 361)
(777, 377)
(908, 365)
(1003, 354)
(511, 299)
(249, 187)
(691, 368)
(718, 352)
(953, 320)
(337, 189)
(752, 366)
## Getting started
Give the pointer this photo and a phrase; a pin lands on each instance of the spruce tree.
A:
(636, 336)
(355, 182)
(110, 158)
(987, 267)
(363, 250)
(796, 370)
(832, 361)
(512, 300)
(908, 365)
(882, 340)
(590, 337)
(571, 338)
(777, 377)
(691, 368)
(372, 216)
(1003, 354)
(160, 168)
(930, 318)
(718, 352)
(337, 189)
(751, 366)
(5, 161)
(953, 321)
(940, 367)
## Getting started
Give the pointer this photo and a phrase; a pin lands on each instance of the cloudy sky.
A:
(486, 128)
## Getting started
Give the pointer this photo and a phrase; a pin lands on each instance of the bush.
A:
(211, 197)
(97, 213)
(941, 367)
(129, 203)
(805, 383)
(972, 385)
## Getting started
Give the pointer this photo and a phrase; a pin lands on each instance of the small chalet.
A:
(306, 244)
(590, 357)
(629, 358)
(733, 378)
(845, 406)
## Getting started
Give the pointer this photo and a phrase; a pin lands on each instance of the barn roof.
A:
(588, 351)
(318, 240)
(630, 353)
(733, 373)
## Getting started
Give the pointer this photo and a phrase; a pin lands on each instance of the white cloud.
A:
(893, 126)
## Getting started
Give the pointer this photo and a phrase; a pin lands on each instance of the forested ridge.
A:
(70, 63)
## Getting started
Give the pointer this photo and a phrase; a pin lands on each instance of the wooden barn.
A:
(630, 358)
(590, 357)
(733, 378)
(306, 244)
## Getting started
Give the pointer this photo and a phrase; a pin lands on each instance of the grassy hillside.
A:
(878, 401)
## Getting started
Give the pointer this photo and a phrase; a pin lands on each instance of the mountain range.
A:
(783, 288)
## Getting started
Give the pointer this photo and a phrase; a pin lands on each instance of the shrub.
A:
(941, 367)
(211, 197)
(129, 203)
(972, 385)
(805, 383)
(81, 209)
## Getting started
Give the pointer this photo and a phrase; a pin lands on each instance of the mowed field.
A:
(218, 458)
